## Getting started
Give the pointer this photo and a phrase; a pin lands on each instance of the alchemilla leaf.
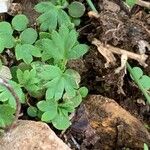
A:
(20, 22)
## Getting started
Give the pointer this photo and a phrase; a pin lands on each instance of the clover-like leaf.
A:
(5, 28)
(76, 9)
(61, 121)
(26, 52)
(32, 111)
(28, 36)
(20, 22)
(83, 91)
(49, 109)
(6, 115)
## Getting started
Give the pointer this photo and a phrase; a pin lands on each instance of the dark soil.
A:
(119, 27)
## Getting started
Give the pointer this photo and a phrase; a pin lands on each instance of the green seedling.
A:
(76, 9)
(143, 81)
(52, 16)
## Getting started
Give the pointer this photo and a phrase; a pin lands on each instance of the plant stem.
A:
(90, 3)
(138, 83)
(5, 83)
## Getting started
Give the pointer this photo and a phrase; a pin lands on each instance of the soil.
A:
(119, 27)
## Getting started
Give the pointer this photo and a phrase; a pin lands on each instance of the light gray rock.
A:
(31, 135)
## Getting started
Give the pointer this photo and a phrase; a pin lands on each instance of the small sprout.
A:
(143, 81)
(20, 22)
(76, 9)
(83, 91)
(32, 111)
(76, 21)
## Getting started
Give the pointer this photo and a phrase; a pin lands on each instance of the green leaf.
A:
(6, 28)
(32, 111)
(6, 115)
(137, 72)
(83, 91)
(146, 146)
(77, 100)
(20, 22)
(31, 82)
(2, 44)
(63, 18)
(77, 51)
(71, 40)
(145, 81)
(28, 36)
(131, 3)
(61, 121)
(26, 52)
(43, 7)
(49, 107)
(76, 9)
(76, 21)
(5, 93)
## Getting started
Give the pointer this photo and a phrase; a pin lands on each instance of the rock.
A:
(31, 135)
(105, 125)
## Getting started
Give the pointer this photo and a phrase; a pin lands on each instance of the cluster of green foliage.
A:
(143, 81)
(40, 69)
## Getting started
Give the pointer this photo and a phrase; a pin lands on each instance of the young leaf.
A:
(145, 81)
(6, 115)
(83, 91)
(58, 81)
(146, 146)
(137, 72)
(32, 111)
(6, 28)
(28, 36)
(20, 22)
(76, 9)
(49, 107)
(61, 121)
(131, 3)
(26, 52)
(77, 51)
(51, 16)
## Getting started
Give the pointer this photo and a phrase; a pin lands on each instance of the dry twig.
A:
(108, 52)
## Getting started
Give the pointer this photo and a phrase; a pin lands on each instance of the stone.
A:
(103, 124)
(31, 135)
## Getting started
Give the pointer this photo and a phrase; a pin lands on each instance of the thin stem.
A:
(138, 83)
(5, 83)
(90, 3)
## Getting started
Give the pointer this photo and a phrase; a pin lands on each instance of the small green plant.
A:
(146, 146)
(143, 81)
(40, 68)
(76, 9)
